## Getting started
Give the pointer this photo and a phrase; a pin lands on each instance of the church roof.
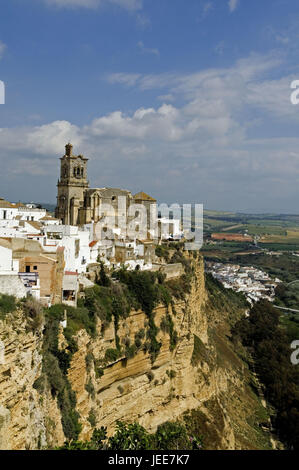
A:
(6, 204)
(144, 197)
(48, 217)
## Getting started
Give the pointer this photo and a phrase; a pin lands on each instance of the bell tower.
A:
(71, 186)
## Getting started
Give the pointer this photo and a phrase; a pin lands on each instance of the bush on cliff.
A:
(7, 305)
(169, 436)
(54, 374)
(34, 312)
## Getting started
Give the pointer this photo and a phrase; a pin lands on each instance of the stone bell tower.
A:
(71, 186)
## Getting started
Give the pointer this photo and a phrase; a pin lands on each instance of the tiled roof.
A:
(48, 217)
(144, 197)
(5, 204)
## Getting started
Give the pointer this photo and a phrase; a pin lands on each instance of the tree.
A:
(103, 280)
(130, 437)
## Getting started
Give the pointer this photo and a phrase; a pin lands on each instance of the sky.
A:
(188, 101)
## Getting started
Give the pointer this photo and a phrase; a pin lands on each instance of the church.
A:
(78, 204)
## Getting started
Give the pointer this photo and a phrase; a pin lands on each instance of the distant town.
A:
(252, 282)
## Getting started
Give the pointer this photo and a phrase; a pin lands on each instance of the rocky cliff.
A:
(199, 377)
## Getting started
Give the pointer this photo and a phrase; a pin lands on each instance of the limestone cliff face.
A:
(201, 374)
(134, 389)
(27, 420)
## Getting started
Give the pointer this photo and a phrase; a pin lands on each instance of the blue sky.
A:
(188, 100)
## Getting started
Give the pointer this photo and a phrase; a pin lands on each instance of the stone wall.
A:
(11, 284)
(171, 270)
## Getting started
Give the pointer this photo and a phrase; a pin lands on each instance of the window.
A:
(35, 268)
(27, 269)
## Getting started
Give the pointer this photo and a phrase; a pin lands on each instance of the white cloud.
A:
(219, 48)
(146, 50)
(207, 144)
(2, 49)
(232, 5)
(167, 97)
(163, 123)
(42, 140)
(206, 8)
(129, 79)
(282, 39)
(130, 5)
(144, 82)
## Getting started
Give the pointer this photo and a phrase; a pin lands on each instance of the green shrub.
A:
(150, 375)
(89, 387)
(162, 251)
(69, 416)
(172, 436)
(130, 437)
(7, 304)
(92, 418)
(89, 360)
(34, 313)
(54, 374)
(130, 351)
(40, 384)
(199, 352)
(99, 372)
(167, 326)
(111, 355)
(103, 279)
(139, 337)
(169, 436)
(171, 374)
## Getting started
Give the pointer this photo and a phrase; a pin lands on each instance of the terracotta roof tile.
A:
(144, 197)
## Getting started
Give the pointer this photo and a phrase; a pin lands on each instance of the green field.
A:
(275, 232)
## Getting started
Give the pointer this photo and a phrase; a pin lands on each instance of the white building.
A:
(10, 282)
(11, 211)
(170, 229)
(77, 253)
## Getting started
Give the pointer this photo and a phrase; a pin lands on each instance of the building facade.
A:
(78, 204)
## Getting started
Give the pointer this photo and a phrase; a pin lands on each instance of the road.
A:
(284, 308)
